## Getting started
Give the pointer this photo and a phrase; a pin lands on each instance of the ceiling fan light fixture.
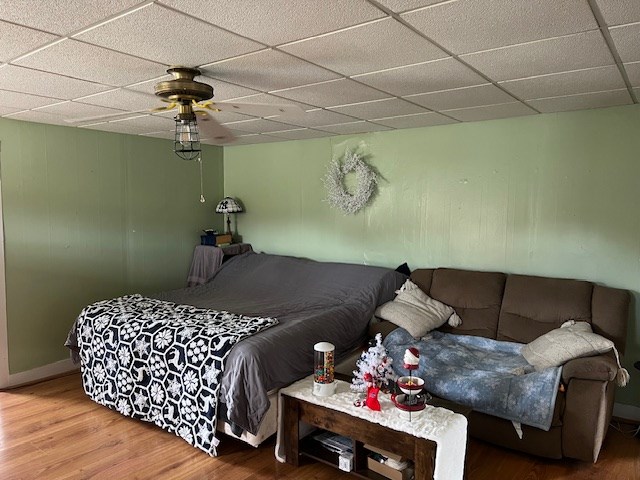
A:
(186, 144)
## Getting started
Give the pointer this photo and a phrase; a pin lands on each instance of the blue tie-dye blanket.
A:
(488, 375)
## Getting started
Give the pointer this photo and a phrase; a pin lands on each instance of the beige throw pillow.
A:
(417, 312)
(557, 347)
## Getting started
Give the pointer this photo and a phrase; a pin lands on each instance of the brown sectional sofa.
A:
(520, 308)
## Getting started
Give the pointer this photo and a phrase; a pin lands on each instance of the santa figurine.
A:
(411, 358)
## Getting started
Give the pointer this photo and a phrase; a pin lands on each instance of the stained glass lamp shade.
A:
(228, 205)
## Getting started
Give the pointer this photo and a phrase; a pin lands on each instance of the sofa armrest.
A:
(586, 417)
(385, 327)
(598, 367)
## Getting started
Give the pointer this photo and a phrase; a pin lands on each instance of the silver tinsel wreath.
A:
(337, 194)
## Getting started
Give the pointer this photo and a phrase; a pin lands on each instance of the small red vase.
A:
(372, 398)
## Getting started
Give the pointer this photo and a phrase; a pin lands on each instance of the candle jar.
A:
(323, 359)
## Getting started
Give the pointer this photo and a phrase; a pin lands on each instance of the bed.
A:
(296, 302)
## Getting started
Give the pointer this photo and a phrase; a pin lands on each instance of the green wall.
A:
(553, 195)
(90, 215)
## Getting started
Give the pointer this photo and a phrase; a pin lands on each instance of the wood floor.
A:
(53, 431)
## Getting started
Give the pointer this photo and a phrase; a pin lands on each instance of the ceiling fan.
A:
(192, 101)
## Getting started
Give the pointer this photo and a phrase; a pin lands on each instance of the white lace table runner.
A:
(447, 429)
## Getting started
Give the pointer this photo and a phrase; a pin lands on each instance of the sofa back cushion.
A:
(520, 308)
(475, 296)
(533, 306)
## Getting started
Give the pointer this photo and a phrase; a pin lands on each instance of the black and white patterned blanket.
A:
(160, 362)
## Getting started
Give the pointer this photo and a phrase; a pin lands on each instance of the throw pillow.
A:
(571, 340)
(417, 312)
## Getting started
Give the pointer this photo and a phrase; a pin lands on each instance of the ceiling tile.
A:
(16, 40)
(637, 92)
(573, 52)
(88, 62)
(422, 78)
(633, 71)
(38, 117)
(70, 110)
(390, 107)
(146, 86)
(566, 83)
(462, 97)
(279, 21)
(355, 127)
(253, 139)
(582, 101)
(5, 110)
(618, 12)
(135, 125)
(404, 5)
(627, 41)
(375, 46)
(300, 134)
(268, 70)
(428, 119)
(258, 125)
(166, 134)
(490, 112)
(25, 80)
(22, 101)
(496, 23)
(336, 92)
(168, 37)
(316, 118)
(123, 99)
(61, 18)
(226, 91)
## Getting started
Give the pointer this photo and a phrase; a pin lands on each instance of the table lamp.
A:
(228, 205)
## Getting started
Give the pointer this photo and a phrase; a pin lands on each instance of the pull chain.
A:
(202, 199)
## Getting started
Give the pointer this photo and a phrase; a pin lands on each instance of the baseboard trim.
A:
(40, 373)
(626, 412)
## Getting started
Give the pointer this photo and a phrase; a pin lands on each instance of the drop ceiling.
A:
(353, 66)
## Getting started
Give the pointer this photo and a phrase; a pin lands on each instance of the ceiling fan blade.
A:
(255, 109)
(171, 106)
(212, 130)
(109, 116)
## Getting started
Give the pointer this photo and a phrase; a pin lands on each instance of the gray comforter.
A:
(313, 301)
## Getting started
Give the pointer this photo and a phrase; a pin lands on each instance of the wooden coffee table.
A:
(362, 427)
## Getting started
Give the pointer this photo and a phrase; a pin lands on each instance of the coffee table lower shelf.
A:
(311, 449)
(360, 431)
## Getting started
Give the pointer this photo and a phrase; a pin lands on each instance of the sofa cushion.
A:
(533, 306)
(558, 346)
(475, 296)
(422, 277)
(416, 312)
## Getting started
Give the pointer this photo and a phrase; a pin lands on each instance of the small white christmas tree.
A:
(374, 368)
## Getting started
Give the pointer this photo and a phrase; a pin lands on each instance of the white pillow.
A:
(557, 347)
(417, 312)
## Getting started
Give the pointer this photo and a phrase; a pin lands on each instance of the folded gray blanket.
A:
(488, 375)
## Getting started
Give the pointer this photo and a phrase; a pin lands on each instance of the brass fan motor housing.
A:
(183, 88)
